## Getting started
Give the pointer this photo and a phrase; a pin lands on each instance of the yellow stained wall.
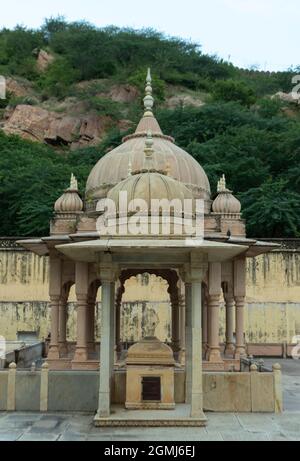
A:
(272, 313)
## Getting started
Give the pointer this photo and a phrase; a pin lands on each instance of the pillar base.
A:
(63, 349)
(214, 355)
(53, 353)
(240, 352)
(81, 354)
(230, 349)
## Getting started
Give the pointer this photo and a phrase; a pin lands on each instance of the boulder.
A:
(44, 60)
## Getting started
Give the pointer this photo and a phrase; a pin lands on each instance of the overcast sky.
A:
(265, 33)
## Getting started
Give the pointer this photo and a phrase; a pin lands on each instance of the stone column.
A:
(188, 342)
(240, 349)
(55, 294)
(214, 354)
(118, 328)
(91, 324)
(204, 324)
(175, 324)
(182, 329)
(198, 271)
(54, 343)
(108, 275)
(105, 354)
(82, 274)
(229, 302)
(239, 296)
(63, 349)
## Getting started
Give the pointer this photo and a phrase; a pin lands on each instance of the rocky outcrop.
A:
(17, 88)
(124, 93)
(183, 100)
(290, 98)
(44, 60)
(37, 124)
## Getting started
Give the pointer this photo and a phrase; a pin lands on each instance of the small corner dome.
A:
(226, 202)
(69, 201)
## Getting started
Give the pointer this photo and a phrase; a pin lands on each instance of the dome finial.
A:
(222, 184)
(148, 99)
(148, 163)
(73, 183)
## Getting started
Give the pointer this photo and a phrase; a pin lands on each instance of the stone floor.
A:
(221, 427)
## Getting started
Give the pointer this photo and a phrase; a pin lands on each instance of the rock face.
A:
(293, 98)
(44, 60)
(124, 93)
(17, 88)
(183, 100)
(37, 124)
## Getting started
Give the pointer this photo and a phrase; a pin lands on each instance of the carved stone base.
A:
(59, 364)
(180, 417)
(85, 365)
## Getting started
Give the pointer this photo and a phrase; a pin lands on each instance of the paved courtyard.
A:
(221, 427)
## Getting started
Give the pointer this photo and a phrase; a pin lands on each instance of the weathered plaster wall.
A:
(273, 299)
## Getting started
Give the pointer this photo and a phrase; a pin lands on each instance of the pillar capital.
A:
(107, 270)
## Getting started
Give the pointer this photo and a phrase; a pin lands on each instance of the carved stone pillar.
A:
(214, 354)
(182, 326)
(229, 302)
(188, 347)
(91, 324)
(239, 296)
(175, 324)
(193, 276)
(63, 348)
(204, 323)
(108, 275)
(82, 273)
(54, 343)
(240, 349)
(55, 290)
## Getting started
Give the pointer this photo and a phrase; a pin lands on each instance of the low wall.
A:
(77, 391)
(24, 356)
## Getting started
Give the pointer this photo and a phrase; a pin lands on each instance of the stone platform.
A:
(180, 417)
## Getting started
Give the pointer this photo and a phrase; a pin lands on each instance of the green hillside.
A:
(238, 129)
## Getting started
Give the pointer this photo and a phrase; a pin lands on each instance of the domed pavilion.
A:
(201, 268)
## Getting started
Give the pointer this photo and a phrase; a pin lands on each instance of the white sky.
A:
(251, 32)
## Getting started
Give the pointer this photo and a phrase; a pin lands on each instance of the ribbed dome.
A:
(70, 201)
(226, 202)
(149, 186)
(113, 167)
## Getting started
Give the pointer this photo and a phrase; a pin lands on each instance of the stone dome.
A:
(70, 201)
(226, 202)
(150, 351)
(150, 184)
(113, 167)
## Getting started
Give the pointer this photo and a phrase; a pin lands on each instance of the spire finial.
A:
(148, 164)
(73, 183)
(148, 99)
(222, 185)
